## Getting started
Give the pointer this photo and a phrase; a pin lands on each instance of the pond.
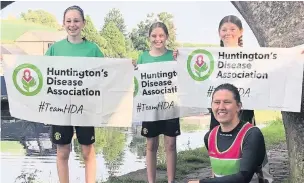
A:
(27, 152)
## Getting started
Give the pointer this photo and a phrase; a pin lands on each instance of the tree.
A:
(40, 17)
(280, 24)
(139, 41)
(116, 17)
(167, 19)
(91, 34)
(139, 36)
(129, 45)
(115, 41)
(134, 54)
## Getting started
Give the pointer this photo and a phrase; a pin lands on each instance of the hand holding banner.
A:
(156, 93)
(77, 91)
(69, 91)
(267, 78)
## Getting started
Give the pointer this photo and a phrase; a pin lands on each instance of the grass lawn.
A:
(274, 133)
(12, 147)
(13, 29)
(262, 116)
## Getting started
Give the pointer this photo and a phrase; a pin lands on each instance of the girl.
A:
(231, 35)
(158, 35)
(74, 45)
(236, 148)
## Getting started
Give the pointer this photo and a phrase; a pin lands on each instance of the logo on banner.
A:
(136, 86)
(27, 79)
(200, 65)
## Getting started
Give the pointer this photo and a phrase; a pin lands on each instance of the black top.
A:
(245, 115)
(253, 153)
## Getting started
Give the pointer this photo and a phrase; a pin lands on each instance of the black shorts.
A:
(63, 134)
(169, 128)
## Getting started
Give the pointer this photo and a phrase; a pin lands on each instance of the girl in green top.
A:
(158, 35)
(74, 45)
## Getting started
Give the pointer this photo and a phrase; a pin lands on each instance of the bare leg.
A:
(170, 148)
(63, 153)
(152, 146)
(89, 157)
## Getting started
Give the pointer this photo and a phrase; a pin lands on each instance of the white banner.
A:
(267, 78)
(156, 93)
(77, 91)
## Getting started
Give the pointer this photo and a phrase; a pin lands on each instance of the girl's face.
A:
(158, 38)
(230, 33)
(73, 23)
(224, 106)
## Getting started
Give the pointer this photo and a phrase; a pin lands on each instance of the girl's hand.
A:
(134, 64)
(175, 54)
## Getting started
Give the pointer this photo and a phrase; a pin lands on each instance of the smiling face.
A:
(224, 106)
(230, 33)
(73, 23)
(158, 38)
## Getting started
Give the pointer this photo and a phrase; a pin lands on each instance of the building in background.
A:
(38, 42)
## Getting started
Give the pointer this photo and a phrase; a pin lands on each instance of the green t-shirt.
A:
(83, 49)
(145, 57)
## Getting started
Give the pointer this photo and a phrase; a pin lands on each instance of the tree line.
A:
(113, 38)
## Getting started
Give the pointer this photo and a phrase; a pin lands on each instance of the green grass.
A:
(13, 29)
(274, 133)
(186, 127)
(191, 160)
(12, 147)
(263, 116)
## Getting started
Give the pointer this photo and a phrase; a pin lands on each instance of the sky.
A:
(195, 21)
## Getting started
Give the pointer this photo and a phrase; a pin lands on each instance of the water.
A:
(27, 152)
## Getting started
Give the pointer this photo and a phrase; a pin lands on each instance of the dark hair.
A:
(160, 25)
(232, 89)
(74, 8)
(235, 20)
